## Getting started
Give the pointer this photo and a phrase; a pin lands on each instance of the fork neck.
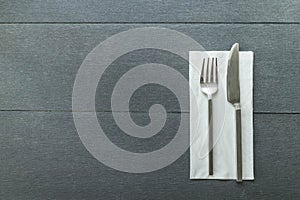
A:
(209, 96)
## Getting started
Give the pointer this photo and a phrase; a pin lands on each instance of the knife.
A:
(233, 97)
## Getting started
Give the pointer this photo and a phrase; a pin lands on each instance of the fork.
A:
(209, 86)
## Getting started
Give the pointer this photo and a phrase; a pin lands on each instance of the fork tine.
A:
(211, 79)
(216, 72)
(202, 72)
(207, 74)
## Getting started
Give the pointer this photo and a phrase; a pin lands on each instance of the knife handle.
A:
(239, 146)
(210, 138)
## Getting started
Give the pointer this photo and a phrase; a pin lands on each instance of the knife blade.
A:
(233, 97)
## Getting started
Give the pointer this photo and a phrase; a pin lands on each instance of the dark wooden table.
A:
(42, 45)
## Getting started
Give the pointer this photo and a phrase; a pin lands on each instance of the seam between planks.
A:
(109, 111)
(133, 23)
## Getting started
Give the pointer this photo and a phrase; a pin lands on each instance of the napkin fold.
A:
(224, 124)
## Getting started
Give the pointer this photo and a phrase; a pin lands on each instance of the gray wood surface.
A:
(149, 11)
(39, 64)
(42, 45)
(42, 157)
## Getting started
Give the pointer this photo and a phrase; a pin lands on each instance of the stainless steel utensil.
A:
(209, 86)
(233, 96)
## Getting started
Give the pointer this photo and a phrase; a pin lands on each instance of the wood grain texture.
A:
(42, 157)
(42, 45)
(38, 64)
(149, 11)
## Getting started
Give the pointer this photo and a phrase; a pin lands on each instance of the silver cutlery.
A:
(233, 97)
(209, 86)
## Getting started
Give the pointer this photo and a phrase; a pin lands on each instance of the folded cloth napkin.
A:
(224, 124)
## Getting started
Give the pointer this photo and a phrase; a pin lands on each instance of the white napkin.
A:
(224, 124)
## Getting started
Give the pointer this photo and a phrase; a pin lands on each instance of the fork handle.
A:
(210, 138)
(239, 146)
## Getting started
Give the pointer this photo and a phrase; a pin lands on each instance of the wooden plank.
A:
(42, 157)
(150, 11)
(39, 64)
